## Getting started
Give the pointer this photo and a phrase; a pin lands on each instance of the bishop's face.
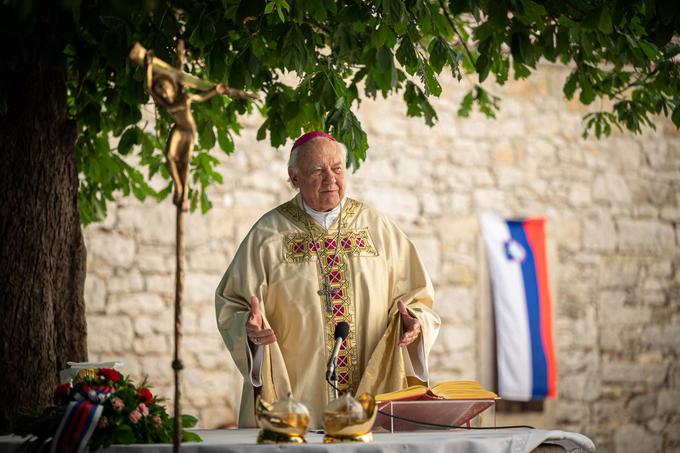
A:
(320, 175)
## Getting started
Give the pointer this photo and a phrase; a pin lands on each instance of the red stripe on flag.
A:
(534, 230)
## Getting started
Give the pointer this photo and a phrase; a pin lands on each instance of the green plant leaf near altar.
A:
(131, 413)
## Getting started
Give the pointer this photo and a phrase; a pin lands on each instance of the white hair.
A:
(295, 153)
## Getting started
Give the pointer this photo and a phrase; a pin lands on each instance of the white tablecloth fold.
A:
(518, 440)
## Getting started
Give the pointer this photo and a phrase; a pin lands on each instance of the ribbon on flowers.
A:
(80, 419)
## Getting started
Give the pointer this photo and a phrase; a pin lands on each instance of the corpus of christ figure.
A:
(170, 93)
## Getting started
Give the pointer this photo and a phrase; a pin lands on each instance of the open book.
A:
(448, 404)
(449, 390)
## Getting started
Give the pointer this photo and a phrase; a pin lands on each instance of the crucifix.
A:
(327, 291)
(169, 87)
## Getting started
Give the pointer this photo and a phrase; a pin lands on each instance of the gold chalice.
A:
(284, 422)
(350, 420)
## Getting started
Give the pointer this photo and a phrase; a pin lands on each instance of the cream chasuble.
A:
(362, 273)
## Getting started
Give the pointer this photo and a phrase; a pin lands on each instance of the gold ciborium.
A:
(350, 420)
(284, 422)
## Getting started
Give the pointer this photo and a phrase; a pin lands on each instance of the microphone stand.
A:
(333, 380)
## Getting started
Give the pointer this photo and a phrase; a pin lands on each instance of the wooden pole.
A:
(177, 364)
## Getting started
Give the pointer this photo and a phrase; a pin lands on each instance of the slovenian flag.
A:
(519, 277)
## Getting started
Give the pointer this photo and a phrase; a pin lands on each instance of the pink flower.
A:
(143, 409)
(117, 404)
(134, 416)
(156, 420)
(103, 422)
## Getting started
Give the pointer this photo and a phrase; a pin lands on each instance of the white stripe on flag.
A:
(513, 341)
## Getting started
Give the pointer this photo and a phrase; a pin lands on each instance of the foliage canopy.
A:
(621, 52)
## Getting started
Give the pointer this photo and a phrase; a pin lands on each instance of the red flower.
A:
(145, 394)
(61, 392)
(111, 374)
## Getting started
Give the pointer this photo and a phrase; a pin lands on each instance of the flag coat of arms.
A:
(519, 277)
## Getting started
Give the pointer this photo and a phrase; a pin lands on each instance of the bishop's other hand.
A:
(411, 326)
(254, 327)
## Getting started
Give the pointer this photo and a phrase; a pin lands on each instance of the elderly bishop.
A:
(317, 260)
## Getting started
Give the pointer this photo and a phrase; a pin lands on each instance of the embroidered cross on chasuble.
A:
(333, 250)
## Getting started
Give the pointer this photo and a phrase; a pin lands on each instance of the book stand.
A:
(395, 416)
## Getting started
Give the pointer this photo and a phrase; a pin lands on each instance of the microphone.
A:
(341, 332)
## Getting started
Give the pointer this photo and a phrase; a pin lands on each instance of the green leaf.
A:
(188, 421)
(188, 436)
(570, 85)
(129, 138)
(650, 51)
(466, 105)
(675, 117)
(482, 66)
(605, 22)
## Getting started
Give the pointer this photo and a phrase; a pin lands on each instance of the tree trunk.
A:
(42, 255)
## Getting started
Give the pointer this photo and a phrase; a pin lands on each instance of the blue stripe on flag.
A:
(539, 369)
(91, 410)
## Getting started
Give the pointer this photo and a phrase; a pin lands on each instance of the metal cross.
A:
(327, 291)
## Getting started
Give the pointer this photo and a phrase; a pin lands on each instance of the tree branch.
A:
(455, 30)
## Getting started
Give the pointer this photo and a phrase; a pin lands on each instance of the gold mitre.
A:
(350, 420)
(285, 421)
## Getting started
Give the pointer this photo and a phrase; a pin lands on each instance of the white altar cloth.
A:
(516, 440)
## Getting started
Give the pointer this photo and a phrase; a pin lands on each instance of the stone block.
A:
(153, 261)
(113, 249)
(200, 288)
(152, 344)
(109, 334)
(155, 226)
(568, 412)
(211, 262)
(664, 337)
(642, 407)
(163, 284)
(432, 204)
(95, 294)
(584, 386)
(668, 402)
(611, 187)
(650, 374)
(458, 204)
(632, 438)
(135, 304)
(454, 305)
(126, 281)
(457, 338)
(599, 234)
(645, 236)
(660, 268)
(489, 199)
(429, 251)
(580, 195)
(671, 432)
(613, 311)
(509, 177)
(218, 416)
(619, 272)
(248, 198)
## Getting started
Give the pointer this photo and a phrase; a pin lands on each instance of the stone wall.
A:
(613, 210)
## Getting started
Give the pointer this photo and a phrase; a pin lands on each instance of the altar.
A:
(513, 440)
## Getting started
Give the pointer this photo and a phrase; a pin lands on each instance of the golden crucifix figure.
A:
(169, 90)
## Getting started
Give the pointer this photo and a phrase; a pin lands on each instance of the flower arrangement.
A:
(128, 414)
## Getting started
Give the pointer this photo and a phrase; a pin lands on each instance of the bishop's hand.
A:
(254, 326)
(411, 326)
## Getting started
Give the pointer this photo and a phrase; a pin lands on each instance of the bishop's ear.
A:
(293, 175)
